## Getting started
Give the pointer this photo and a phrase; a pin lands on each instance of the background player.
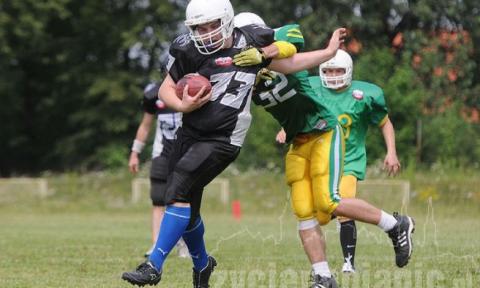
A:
(357, 105)
(168, 122)
(214, 125)
(310, 171)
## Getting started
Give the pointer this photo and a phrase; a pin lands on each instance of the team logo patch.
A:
(357, 94)
(160, 104)
(321, 124)
(223, 61)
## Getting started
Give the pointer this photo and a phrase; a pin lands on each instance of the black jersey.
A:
(226, 117)
(150, 102)
(168, 120)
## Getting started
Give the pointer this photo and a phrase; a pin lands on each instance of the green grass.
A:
(92, 249)
(87, 237)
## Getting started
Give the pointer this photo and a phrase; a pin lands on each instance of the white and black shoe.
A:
(318, 281)
(182, 249)
(145, 274)
(348, 268)
(401, 235)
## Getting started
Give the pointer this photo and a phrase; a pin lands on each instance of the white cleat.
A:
(348, 268)
(182, 249)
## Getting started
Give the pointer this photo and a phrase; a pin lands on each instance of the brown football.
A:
(195, 83)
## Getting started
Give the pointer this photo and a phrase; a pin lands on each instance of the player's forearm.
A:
(302, 61)
(279, 50)
(144, 128)
(168, 95)
(389, 136)
(142, 134)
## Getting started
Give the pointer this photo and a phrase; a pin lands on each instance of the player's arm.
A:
(139, 142)
(256, 56)
(180, 64)
(280, 50)
(391, 163)
(307, 60)
(187, 103)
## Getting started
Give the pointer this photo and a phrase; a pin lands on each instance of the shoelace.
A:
(143, 267)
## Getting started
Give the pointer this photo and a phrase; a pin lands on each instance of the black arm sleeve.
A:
(150, 97)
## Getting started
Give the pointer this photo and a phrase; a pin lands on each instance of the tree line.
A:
(72, 74)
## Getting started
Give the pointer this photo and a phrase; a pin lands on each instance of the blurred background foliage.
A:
(72, 74)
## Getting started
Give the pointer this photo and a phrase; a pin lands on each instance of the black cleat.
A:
(322, 282)
(401, 235)
(145, 274)
(200, 279)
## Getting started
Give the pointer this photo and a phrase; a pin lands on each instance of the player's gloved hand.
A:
(249, 57)
(265, 75)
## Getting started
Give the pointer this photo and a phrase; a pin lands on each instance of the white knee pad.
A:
(307, 224)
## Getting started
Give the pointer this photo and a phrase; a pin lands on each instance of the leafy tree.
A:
(73, 71)
(76, 71)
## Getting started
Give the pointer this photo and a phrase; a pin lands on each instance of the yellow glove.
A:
(249, 57)
(265, 75)
(264, 81)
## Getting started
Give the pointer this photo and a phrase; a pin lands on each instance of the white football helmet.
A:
(205, 11)
(248, 18)
(341, 60)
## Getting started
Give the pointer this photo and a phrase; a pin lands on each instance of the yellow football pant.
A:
(348, 189)
(314, 165)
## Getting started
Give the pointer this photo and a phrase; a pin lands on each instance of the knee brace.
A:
(307, 224)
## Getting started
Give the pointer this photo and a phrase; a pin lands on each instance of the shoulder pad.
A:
(258, 36)
(182, 40)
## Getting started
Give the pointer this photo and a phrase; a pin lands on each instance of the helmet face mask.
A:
(205, 14)
(342, 61)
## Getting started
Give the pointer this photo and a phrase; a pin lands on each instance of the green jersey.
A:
(290, 99)
(360, 105)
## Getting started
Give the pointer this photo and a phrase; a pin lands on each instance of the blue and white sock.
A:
(196, 245)
(173, 225)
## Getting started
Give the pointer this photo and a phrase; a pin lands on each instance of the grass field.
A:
(75, 240)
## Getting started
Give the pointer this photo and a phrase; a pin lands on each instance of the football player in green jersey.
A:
(314, 165)
(357, 105)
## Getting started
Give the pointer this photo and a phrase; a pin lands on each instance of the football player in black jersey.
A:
(214, 125)
(168, 122)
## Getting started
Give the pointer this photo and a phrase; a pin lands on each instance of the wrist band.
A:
(137, 146)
